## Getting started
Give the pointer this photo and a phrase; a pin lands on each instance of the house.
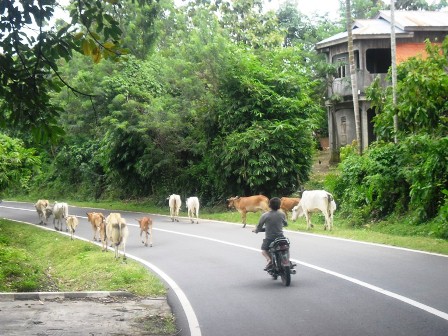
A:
(372, 51)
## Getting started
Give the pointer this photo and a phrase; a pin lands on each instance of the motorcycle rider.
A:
(272, 223)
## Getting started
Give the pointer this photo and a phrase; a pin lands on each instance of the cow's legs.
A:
(243, 216)
(328, 220)
(308, 220)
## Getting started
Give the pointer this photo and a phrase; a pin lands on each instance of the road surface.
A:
(342, 287)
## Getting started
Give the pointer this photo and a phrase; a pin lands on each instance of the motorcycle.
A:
(281, 265)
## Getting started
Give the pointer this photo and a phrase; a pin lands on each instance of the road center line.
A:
(380, 290)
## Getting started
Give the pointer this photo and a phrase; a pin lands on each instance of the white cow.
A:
(174, 202)
(193, 208)
(60, 213)
(117, 231)
(315, 201)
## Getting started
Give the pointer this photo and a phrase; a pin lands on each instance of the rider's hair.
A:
(274, 203)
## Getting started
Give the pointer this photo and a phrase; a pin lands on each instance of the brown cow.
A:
(248, 204)
(96, 218)
(146, 227)
(287, 203)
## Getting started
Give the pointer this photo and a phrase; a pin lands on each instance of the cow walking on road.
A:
(248, 204)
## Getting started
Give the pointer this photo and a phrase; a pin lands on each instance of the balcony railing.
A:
(342, 86)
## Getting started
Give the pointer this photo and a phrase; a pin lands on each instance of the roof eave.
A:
(362, 37)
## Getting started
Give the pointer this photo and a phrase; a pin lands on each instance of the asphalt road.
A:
(342, 287)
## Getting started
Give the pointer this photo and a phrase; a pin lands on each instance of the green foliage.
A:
(392, 178)
(17, 163)
(265, 158)
(422, 89)
(29, 60)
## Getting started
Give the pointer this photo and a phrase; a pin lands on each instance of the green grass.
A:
(32, 259)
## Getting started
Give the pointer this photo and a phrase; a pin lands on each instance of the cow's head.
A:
(231, 202)
(297, 211)
(48, 211)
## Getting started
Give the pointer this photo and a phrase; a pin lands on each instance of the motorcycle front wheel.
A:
(286, 275)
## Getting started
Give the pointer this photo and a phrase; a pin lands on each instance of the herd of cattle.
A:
(114, 230)
(111, 230)
(311, 201)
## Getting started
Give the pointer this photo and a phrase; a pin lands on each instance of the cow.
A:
(174, 202)
(117, 231)
(60, 212)
(287, 203)
(41, 208)
(315, 201)
(248, 204)
(145, 224)
(103, 235)
(95, 218)
(193, 208)
(72, 223)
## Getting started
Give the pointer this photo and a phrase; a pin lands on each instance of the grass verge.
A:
(33, 259)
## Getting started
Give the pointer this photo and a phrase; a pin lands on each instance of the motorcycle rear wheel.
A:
(286, 276)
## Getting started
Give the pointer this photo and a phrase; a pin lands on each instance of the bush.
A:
(392, 179)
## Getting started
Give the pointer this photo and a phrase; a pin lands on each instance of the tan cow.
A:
(248, 204)
(41, 208)
(72, 223)
(117, 231)
(146, 227)
(96, 218)
(287, 203)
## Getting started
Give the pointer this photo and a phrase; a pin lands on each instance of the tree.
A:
(353, 76)
(422, 86)
(17, 163)
(420, 5)
(31, 49)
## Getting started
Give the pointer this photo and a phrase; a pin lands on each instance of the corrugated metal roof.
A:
(406, 22)
(415, 20)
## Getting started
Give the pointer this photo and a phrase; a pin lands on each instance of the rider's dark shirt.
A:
(273, 222)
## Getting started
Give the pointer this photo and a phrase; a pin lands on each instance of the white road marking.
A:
(193, 323)
(380, 290)
(194, 326)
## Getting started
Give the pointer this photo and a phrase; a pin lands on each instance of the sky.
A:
(310, 7)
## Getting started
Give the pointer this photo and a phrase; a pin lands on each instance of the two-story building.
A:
(372, 50)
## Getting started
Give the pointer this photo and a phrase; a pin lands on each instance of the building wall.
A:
(406, 50)
(345, 128)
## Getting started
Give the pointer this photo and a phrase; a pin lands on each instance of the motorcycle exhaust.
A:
(293, 271)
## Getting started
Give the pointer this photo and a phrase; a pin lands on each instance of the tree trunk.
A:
(393, 49)
(354, 78)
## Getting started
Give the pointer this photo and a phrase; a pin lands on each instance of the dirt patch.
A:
(109, 315)
(321, 162)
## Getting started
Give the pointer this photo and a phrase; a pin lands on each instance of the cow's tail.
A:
(330, 200)
(65, 215)
(120, 234)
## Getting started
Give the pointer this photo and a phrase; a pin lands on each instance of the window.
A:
(341, 63)
(378, 60)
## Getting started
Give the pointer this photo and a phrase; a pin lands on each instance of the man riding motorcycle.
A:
(272, 224)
